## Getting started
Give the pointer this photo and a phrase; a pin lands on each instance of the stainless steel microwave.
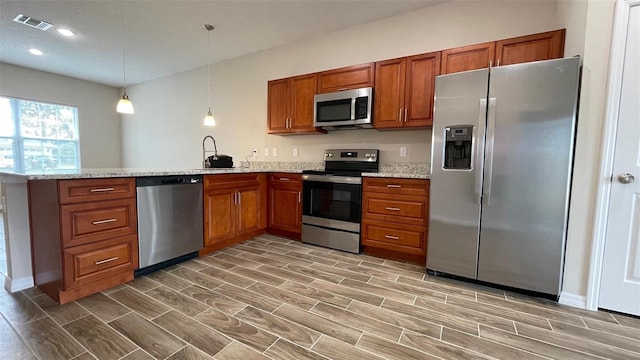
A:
(348, 109)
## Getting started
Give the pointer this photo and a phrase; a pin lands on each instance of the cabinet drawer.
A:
(75, 191)
(397, 237)
(285, 180)
(93, 262)
(405, 207)
(89, 222)
(285, 177)
(228, 181)
(396, 186)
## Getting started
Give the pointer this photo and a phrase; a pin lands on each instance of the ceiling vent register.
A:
(34, 23)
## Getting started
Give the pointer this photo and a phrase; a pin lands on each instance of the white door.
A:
(620, 282)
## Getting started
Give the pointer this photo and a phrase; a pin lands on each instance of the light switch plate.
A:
(274, 152)
(266, 151)
(295, 152)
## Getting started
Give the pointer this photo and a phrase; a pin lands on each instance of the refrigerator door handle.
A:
(479, 147)
(491, 129)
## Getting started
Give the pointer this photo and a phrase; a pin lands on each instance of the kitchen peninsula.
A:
(56, 219)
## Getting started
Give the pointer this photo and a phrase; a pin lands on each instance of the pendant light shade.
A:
(209, 120)
(125, 106)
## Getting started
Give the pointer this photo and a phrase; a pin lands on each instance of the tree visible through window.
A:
(37, 136)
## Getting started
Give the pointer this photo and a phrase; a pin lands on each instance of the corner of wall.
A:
(573, 300)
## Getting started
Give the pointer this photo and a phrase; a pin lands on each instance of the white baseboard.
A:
(573, 300)
(13, 285)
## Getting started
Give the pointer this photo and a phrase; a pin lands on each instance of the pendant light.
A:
(125, 106)
(209, 120)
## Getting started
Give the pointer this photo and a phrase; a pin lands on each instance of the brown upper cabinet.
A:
(542, 46)
(466, 58)
(290, 105)
(404, 87)
(347, 78)
(404, 90)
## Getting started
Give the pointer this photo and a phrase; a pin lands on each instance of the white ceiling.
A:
(167, 37)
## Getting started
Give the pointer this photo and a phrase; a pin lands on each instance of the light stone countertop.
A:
(400, 170)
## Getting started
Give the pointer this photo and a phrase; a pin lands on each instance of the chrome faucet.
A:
(204, 151)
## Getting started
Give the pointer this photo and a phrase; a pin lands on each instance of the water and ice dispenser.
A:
(457, 148)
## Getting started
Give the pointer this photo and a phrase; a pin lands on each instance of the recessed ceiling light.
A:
(65, 32)
(36, 52)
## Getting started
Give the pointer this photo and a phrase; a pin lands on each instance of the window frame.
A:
(19, 160)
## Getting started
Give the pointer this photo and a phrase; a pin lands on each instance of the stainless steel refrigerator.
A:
(502, 156)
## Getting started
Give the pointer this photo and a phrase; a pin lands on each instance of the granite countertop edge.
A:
(131, 172)
(398, 175)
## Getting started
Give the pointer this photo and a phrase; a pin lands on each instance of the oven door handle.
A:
(332, 179)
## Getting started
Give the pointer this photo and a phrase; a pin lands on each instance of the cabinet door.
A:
(278, 106)
(219, 216)
(347, 78)
(536, 47)
(248, 211)
(420, 89)
(303, 88)
(286, 210)
(466, 58)
(389, 93)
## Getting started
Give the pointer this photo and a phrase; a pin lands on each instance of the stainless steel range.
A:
(332, 199)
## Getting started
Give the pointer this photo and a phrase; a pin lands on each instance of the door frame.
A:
(605, 174)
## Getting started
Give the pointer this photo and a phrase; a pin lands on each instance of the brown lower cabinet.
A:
(84, 235)
(234, 209)
(285, 205)
(395, 217)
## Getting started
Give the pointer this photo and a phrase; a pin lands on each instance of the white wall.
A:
(98, 122)
(166, 129)
(596, 18)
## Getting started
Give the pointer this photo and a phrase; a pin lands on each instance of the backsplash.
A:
(405, 168)
(391, 168)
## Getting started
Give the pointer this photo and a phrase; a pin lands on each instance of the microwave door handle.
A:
(353, 108)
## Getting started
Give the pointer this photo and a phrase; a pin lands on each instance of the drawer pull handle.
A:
(98, 222)
(392, 208)
(394, 186)
(102, 189)
(391, 237)
(284, 179)
(106, 261)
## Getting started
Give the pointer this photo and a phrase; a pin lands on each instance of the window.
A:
(37, 136)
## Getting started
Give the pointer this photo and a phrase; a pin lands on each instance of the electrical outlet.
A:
(266, 151)
(295, 152)
(254, 152)
(274, 152)
(403, 151)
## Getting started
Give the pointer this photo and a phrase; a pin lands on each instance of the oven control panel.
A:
(370, 155)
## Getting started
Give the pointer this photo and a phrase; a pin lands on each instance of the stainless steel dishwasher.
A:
(169, 220)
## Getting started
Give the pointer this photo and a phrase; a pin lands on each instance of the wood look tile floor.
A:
(272, 298)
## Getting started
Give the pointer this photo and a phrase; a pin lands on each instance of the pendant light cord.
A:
(124, 68)
(209, 28)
